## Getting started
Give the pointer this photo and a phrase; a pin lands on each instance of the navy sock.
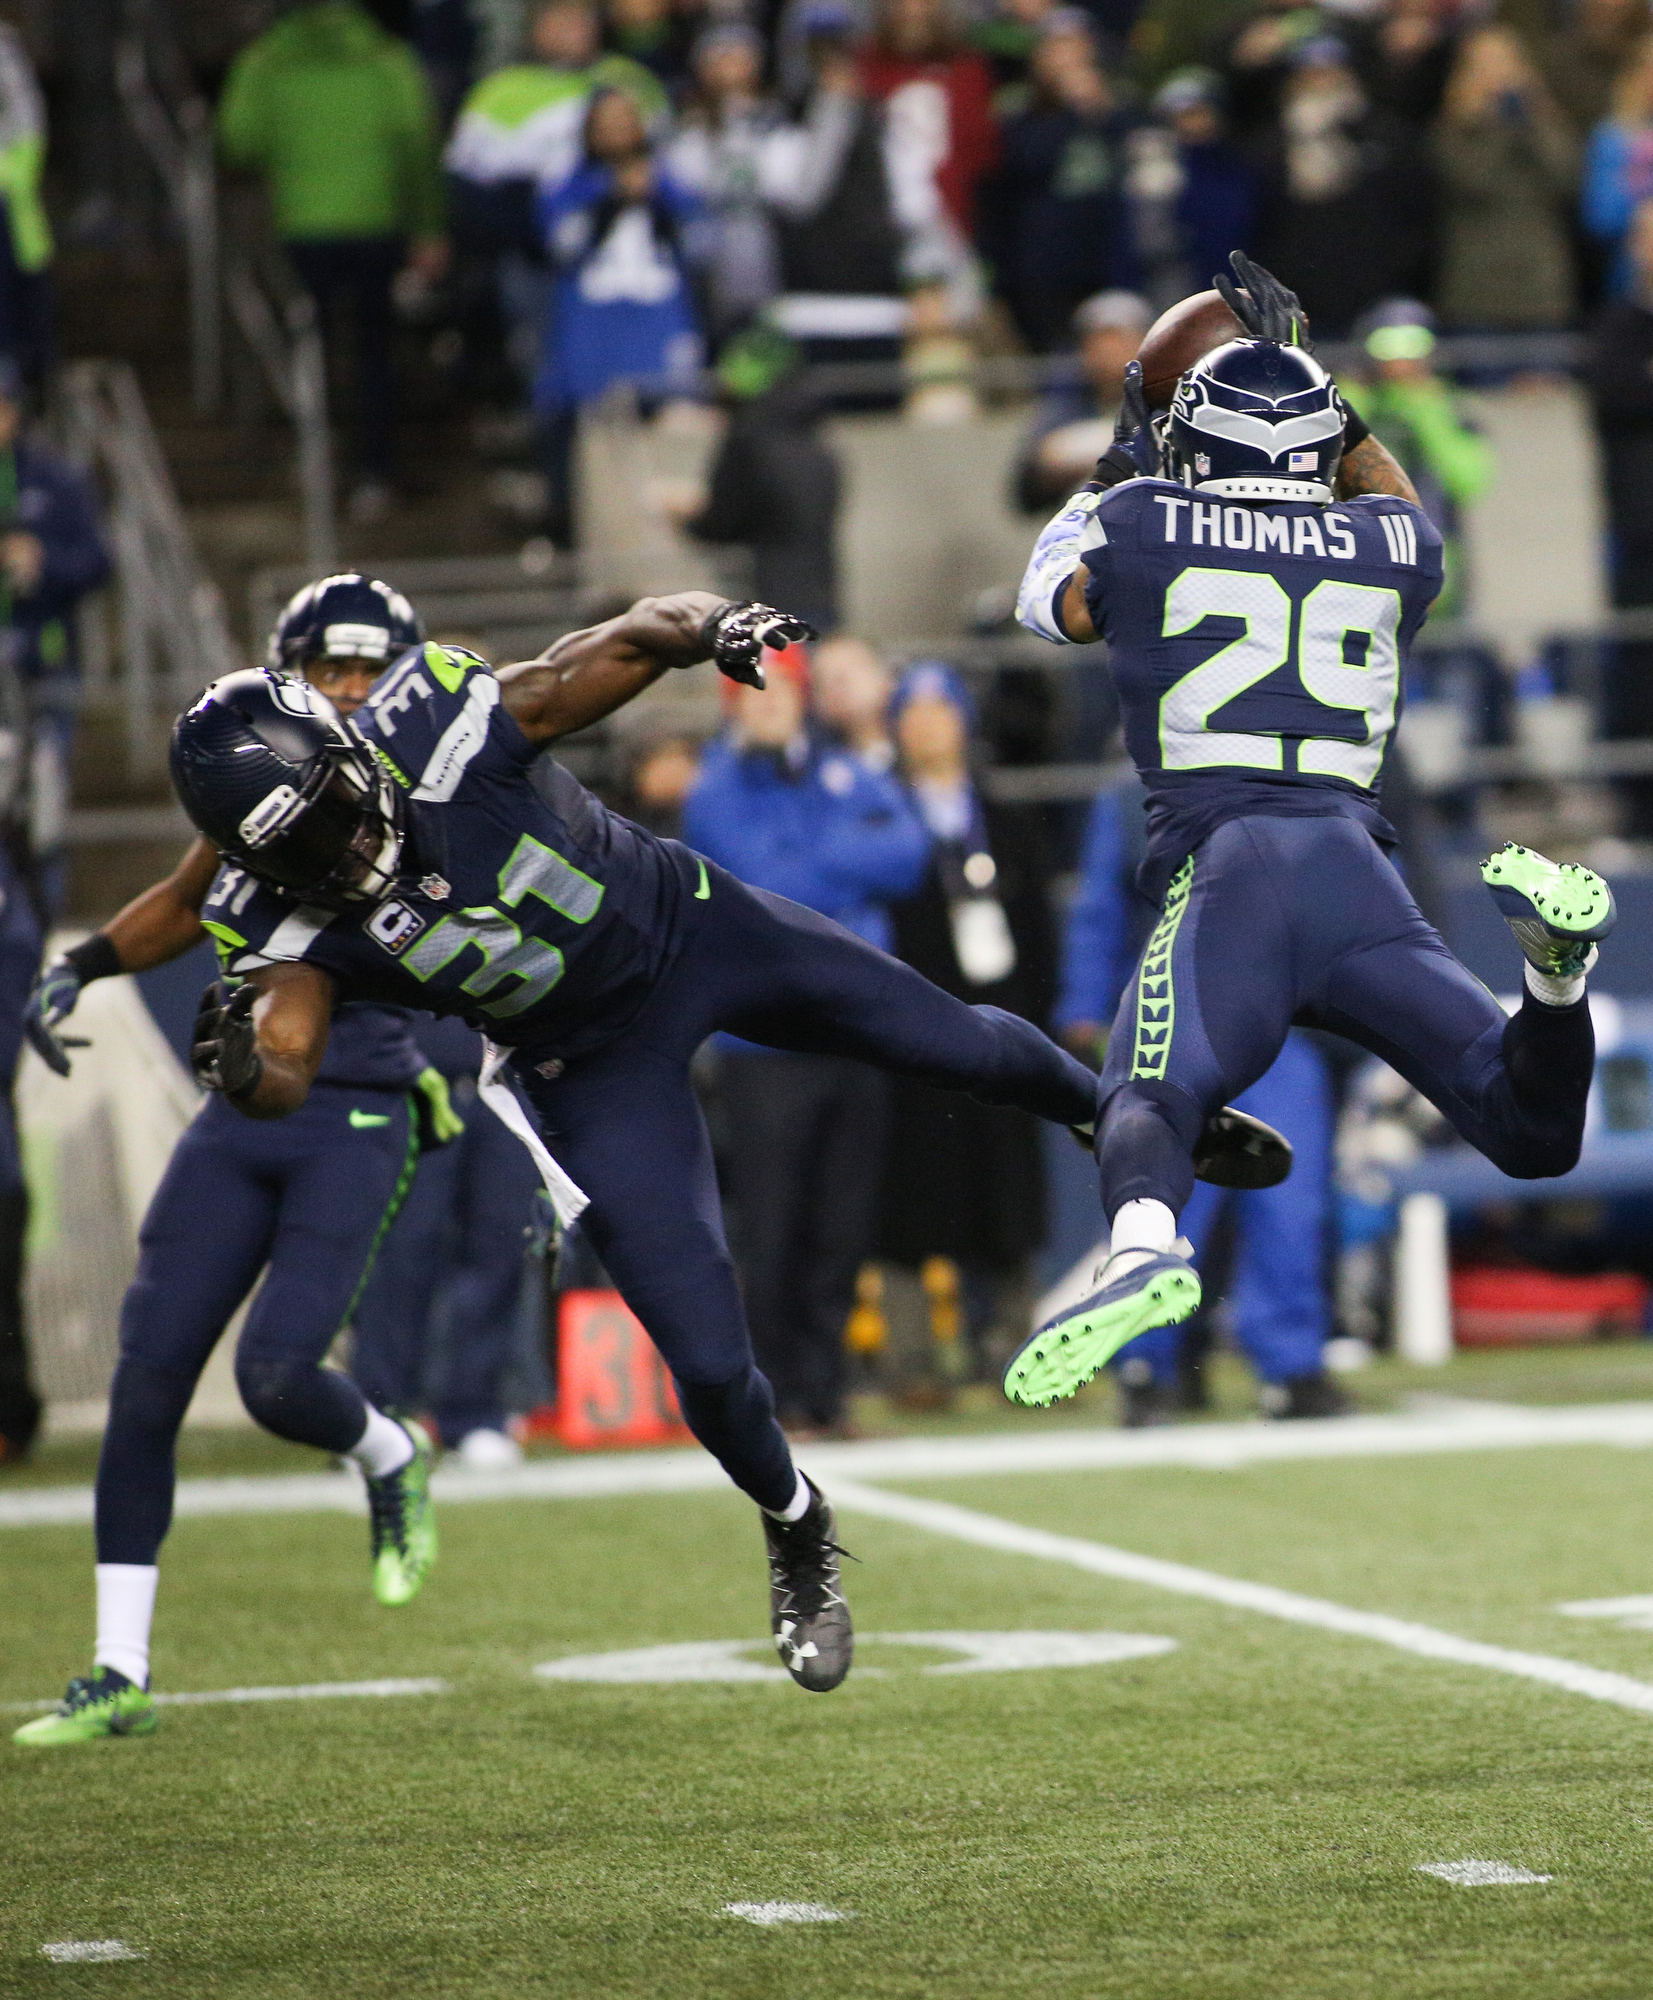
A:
(735, 1421)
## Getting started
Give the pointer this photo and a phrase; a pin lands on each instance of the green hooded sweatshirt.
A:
(336, 114)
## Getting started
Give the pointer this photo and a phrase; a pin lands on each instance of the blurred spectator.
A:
(1192, 195)
(1007, 35)
(1620, 378)
(796, 815)
(1403, 56)
(1415, 415)
(1347, 199)
(1618, 164)
(1257, 59)
(621, 308)
(830, 182)
(444, 32)
(1507, 167)
(1057, 229)
(652, 33)
(964, 1180)
(718, 152)
(518, 130)
(662, 773)
(1074, 424)
(1279, 1295)
(26, 237)
(937, 95)
(775, 487)
(337, 116)
(1582, 58)
(435, 1323)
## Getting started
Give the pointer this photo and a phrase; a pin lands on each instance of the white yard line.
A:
(1208, 1447)
(306, 1691)
(963, 1524)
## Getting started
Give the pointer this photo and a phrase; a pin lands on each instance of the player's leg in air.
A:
(308, 1197)
(1258, 634)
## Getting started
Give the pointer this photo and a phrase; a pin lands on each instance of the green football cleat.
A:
(1558, 912)
(1067, 1351)
(403, 1524)
(106, 1704)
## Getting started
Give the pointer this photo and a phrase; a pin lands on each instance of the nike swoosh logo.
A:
(365, 1121)
(703, 893)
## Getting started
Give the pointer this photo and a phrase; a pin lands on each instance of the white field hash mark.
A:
(1479, 1874)
(786, 1913)
(89, 1951)
(310, 1691)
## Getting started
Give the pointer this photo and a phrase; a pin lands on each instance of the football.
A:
(1177, 339)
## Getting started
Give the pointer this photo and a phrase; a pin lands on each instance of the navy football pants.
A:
(457, 1244)
(625, 1124)
(308, 1195)
(1280, 921)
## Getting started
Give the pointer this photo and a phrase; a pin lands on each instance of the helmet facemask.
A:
(336, 843)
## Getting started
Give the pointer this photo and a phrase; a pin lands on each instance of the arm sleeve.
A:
(1071, 535)
(1093, 939)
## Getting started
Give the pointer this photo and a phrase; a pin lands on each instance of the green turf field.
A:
(1242, 1815)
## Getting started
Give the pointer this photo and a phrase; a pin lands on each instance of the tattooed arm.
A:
(1371, 468)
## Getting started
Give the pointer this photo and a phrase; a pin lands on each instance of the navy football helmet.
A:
(349, 616)
(1254, 420)
(287, 788)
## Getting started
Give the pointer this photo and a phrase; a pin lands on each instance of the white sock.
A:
(383, 1447)
(1143, 1225)
(797, 1507)
(1555, 989)
(126, 1610)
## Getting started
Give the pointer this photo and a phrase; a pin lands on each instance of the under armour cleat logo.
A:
(790, 1649)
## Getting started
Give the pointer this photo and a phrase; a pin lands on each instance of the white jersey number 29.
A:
(1329, 614)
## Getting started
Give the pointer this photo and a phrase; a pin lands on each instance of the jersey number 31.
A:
(1331, 613)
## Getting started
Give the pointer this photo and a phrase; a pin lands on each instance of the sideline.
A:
(963, 1524)
(1458, 1426)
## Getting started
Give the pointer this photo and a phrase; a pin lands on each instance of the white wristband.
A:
(1055, 557)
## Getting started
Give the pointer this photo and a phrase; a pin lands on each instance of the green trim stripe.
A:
(1156, 1005)
(398, 1194)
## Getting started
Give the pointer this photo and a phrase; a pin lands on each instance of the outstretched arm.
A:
(1372, 468)
(586, 675)
(161, 924)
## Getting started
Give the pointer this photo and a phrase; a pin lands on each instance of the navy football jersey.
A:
(374, 1046)
(533, 913)
(1257, 651)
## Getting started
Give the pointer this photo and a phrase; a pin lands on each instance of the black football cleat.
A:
(807, 1612)
(1316, 1394)
(1234, 1150)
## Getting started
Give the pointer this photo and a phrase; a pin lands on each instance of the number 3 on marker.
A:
(1330, 613)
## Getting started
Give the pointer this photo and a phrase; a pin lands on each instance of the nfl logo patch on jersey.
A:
(394, 926)
(436, 888)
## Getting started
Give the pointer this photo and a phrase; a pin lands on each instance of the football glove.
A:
(737, 635)
(1264, 307)
(53, 999)
(433, 1106)
(1134, 453)
(224, 1047)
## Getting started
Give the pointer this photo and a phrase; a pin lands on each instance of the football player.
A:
(1258, 630)
(401, 854)
(310, 1198)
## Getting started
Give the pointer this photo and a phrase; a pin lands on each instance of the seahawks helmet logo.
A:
(1245, 417)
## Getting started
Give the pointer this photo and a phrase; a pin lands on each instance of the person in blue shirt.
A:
(828, 824)
(303, 1202)
(1279, 1290)
(1257, 630)
(454, 1253)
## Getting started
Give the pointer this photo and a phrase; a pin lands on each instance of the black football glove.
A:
(1134, 453)
(224, 1047)
(1264, 307)
(53, 999)
(736, 636)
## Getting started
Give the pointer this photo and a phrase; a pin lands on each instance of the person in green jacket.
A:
(336, 116)
(1412, 412)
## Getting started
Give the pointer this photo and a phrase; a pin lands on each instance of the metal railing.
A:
(279, 326)
(170, 636)
(174, 127)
